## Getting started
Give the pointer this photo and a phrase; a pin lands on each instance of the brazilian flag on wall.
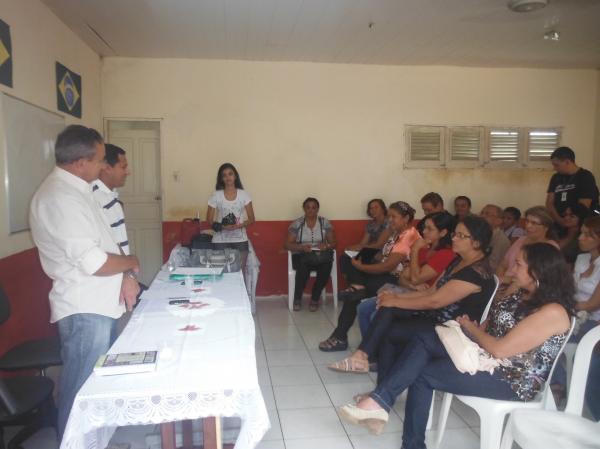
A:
(68, 90)
(5, 55)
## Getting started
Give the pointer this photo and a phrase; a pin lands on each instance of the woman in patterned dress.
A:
(527, 327)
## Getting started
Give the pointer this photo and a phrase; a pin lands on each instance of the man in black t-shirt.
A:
(569, 185)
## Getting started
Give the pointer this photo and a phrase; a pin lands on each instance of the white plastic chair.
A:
(493, 411)
(536, 429)
(292, 281)
(569, 353)
(448, 396)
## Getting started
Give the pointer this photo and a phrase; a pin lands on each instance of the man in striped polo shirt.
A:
(113, 176)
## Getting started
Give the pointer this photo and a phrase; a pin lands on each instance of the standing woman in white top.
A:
(227, 207)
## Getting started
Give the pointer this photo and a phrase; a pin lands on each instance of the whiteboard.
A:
(29, 136)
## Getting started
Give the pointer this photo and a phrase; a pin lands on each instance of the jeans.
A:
(385, 319)
(424, 366)
(348, 313)
(303, 273)
(366, 311)
(83, 337)
(592, 391)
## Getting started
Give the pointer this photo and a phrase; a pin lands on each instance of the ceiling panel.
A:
(448, 32)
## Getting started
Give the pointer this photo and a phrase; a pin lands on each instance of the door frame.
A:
(105, 121)
(160, 150)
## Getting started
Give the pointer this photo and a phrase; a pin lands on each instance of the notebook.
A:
(126, 363)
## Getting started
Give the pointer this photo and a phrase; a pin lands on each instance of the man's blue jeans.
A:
(83, 338)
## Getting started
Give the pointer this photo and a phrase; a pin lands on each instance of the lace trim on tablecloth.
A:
(97, 418)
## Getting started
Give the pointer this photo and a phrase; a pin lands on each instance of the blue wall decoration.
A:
(6, 58)
(68, 91)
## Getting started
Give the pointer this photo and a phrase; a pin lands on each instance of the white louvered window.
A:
(541, 143)
(503, 145)
(425, 146)
(464, 146)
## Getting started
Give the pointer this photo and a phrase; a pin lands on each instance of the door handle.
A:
(158, 198)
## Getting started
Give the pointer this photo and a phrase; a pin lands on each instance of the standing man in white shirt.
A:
(112, 176)
(92, 280)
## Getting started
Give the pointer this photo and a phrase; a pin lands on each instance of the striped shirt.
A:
(112, 207)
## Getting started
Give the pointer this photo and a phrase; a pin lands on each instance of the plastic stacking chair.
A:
(33, 354)
(22, 402)
(544, 429)
(569, 353)
(292, 281)
(492, 411)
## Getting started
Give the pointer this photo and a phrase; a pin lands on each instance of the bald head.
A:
(492, 214)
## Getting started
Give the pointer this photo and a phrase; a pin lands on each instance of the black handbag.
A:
(201, 241)
(312, 258)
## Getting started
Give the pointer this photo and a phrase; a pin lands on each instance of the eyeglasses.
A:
(460, 235)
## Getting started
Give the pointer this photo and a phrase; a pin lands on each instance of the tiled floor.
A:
(301, 394)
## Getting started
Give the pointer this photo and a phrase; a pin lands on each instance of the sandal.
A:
(313, 306)
(350, 365)
(332, 344)
(297, 306)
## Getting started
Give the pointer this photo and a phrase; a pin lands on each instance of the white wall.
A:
(336, 131)
(39, 39)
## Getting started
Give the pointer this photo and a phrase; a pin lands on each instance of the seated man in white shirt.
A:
(92, 279)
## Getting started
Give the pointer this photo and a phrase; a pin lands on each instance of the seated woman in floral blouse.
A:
(527, 326)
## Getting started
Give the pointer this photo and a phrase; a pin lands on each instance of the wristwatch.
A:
(131, 274)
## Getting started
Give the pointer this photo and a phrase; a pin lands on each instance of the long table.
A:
(206, 368)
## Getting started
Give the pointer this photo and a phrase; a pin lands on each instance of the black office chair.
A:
(36, 354)
(23, 401)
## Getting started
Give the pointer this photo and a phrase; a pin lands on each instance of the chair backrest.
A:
(6, 399)
(544, 394)
(4, 306)
(491, 300)
(581, 367)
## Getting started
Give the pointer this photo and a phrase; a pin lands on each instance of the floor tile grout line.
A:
(270, 381)
(321, 378)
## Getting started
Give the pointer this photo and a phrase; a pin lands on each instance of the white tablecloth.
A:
(210, 371)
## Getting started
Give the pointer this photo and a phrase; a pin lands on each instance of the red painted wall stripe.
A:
(27, 288)
(267, 238)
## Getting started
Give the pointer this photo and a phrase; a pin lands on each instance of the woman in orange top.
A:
(366, 279)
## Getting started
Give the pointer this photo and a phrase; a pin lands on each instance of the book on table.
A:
(195, 272)
(126, 363)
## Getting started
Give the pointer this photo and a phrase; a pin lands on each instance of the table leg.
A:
(187, 434)
(167, 435)
(211, 428)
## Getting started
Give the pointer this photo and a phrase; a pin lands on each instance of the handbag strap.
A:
(299, 240)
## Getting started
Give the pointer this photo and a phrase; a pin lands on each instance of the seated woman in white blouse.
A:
(587, 294)
(587, 274)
